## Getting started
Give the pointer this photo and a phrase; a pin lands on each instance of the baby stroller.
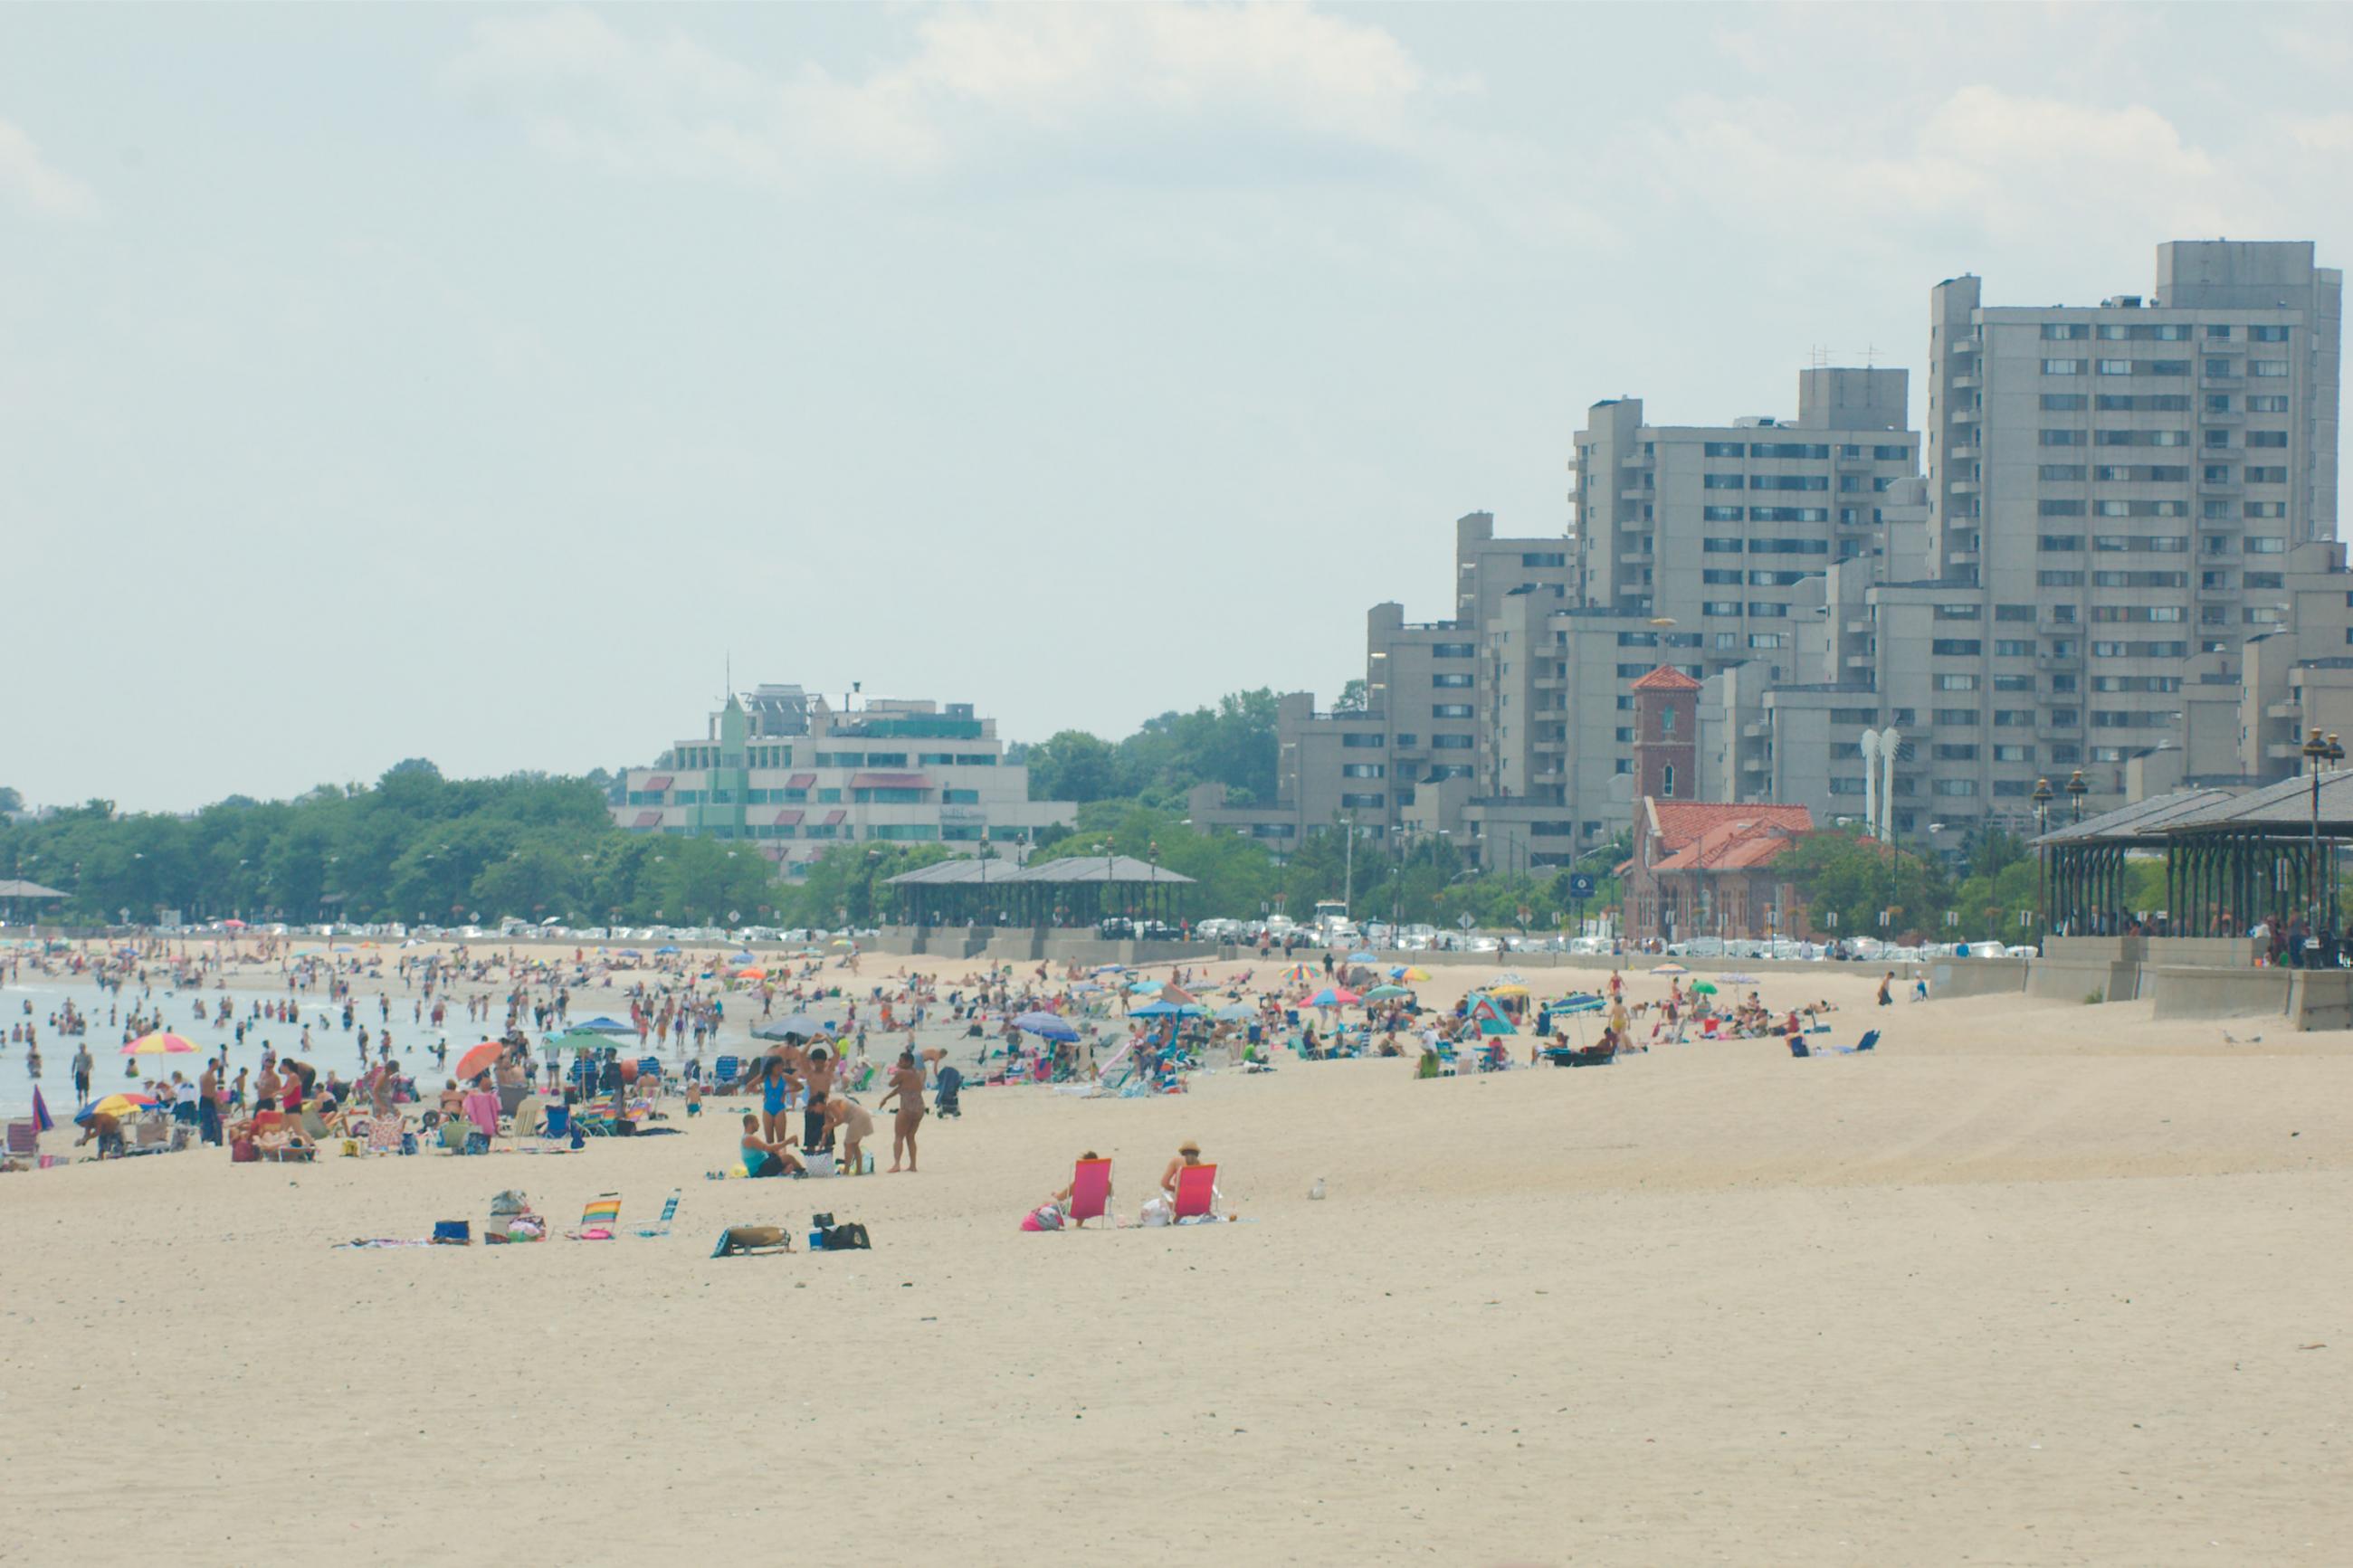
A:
(945, 1100)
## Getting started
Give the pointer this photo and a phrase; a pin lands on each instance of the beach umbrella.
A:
(1509, 977)
(1334, 996)
(1669, 969)
(745, 958)
(661, 950)
(1111, 969)
(1298, 975)
(1408, 972)
(114, 1105)
(752, 972)
(159, 1043)
(480, 1058)
(42, 1121)
(1237, 1013)
(604, 1026)
(1703, 987)
(1738, 979)
(1156, 1010)
(1512, 988)
(792, 1027)
(1083, 986)
(1385, 993)
(1583, 1002)
(631, 953)
(841, 942)
(1046, 1026)
(232, 925)
(1146, 984)
(1364, 958)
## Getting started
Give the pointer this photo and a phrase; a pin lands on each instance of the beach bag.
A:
(241, 1151)
(1157, 1212)
(510, 1202)
(819, 1163)
(844, 1237)
(452, 1232)
(1045, 1216)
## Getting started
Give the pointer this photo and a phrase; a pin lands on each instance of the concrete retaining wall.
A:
(2187, 991)
(2205, 952)
(1977, 976)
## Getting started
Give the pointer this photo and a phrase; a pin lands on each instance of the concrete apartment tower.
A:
(2113, 491)
(1666, 727)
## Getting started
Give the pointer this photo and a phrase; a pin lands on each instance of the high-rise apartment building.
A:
(1716, 526)
(2113, 491)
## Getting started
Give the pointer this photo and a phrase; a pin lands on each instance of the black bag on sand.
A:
(847, 1237)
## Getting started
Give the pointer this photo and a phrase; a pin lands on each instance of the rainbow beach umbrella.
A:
(161, 1043)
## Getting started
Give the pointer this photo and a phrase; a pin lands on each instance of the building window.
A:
(1453, 650)
(2063, 367)
(1450, 742)
(1667, 781)
(1451, 682)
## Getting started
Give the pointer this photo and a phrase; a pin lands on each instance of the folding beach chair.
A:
(1089, 1191)
(1797, 1045)
(724, 1073)
(1870, 1041)
(1196, 1189)
(600, 1219)
(25, 1139)
(661, 1226)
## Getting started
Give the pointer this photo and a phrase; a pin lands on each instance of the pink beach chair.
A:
(1089, 1191)
(1197, 1186)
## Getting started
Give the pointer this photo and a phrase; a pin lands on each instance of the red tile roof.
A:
(1682, 822)
(1666, 677)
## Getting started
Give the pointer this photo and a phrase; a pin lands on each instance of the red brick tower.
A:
(1666, 721)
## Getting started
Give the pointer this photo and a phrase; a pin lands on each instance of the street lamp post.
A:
(2322, 752)
(2042, 874)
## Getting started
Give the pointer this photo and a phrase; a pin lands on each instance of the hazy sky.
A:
(469, 384)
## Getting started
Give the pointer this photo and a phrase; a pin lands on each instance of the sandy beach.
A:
(2033, 1283)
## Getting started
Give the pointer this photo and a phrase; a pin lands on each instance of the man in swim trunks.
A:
(907, 1087)
(816, 1078)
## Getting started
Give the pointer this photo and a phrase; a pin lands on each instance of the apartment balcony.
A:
(1963, 487)
(2223, 346)
(1635, 493)
(1965, 381)
(2230, 486)
(2283, 710)
(2059, 660)
(1754, 732)
(2216, 591)
(2215, 378)
(1862, 661)
(1755, 764)
(2222, 416)
(1637, 558)
(1862, 628)
(1963, 451)
(2284, 750)
(1961, 557)
(1550, 683)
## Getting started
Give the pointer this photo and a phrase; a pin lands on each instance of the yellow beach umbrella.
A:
(160, 1043)
(1416, 973)
(1507, 991)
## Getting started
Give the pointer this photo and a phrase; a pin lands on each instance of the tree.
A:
(1353, 697)
(1073, 765)
(11, 798)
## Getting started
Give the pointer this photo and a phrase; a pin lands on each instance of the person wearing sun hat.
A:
(1188, 1152)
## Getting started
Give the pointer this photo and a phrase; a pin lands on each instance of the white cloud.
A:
(1980, 163)
(33, 181)
(974, 78)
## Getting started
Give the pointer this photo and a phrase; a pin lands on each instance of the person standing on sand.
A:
(1884, 985)
(907, 1087)
(816, 1078)
(81, 1066)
